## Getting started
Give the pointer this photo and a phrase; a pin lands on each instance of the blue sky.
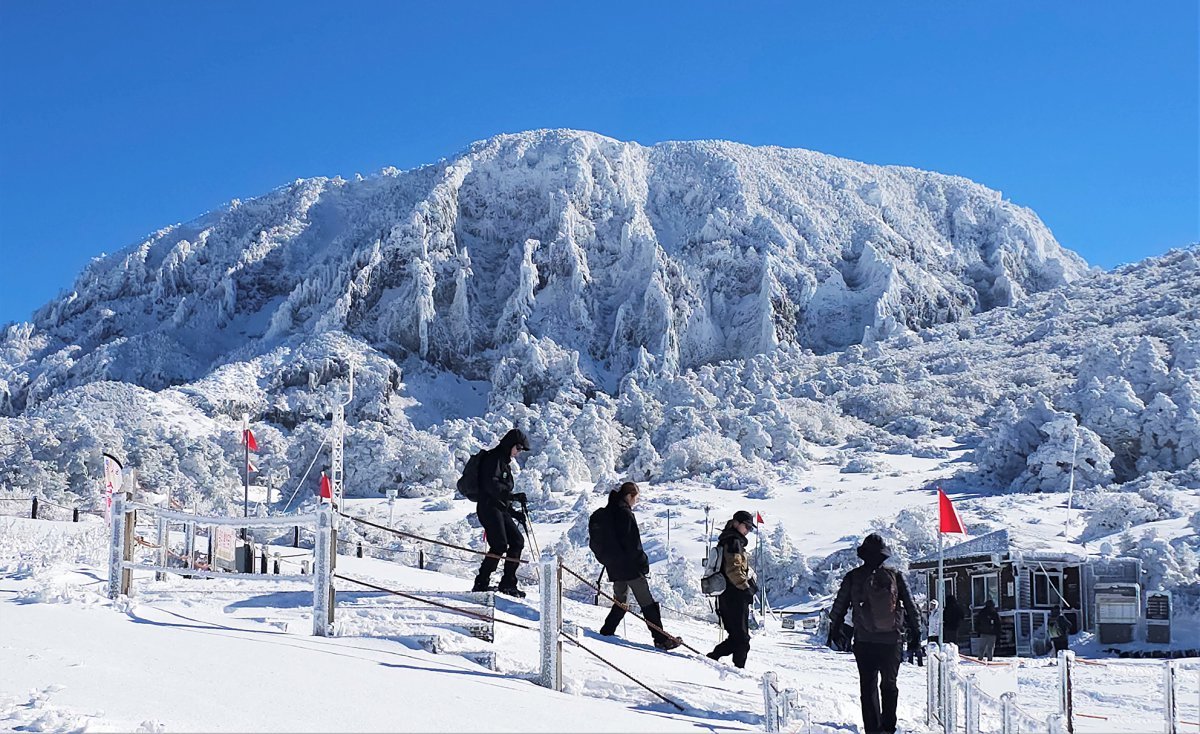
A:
(119, 118)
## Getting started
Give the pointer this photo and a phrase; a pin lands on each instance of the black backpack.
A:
(600, 535)
(875, 596)
(468, 483)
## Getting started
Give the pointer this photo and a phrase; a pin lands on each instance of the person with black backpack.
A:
(1060, 630)
(733, 605)
(884, 616)
(614, 538)
(987, 625)
(488, 476)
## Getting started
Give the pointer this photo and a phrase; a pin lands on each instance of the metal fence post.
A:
(1169, 709)
(189, 543)
(971, 706)
(949, 692)
(1007, 724)
(931, 683)
(74, 514)
(770, 705)
(550, 625)
(1066, 660)
(323, 574)
(162, 547)
(116, 549)
(34, 511)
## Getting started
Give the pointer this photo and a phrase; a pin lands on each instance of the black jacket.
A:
(627, 559)
(873, 557)
(987, 621)
(495, 473)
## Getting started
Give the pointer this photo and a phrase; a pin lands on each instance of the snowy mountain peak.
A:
(698, 251)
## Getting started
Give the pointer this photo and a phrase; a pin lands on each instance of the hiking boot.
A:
(667, 643)
(512, 591)
(483, 584)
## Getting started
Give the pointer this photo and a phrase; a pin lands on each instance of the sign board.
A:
(112, 482)
(224, 541)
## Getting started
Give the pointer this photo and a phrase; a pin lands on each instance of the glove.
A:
(520, 497)
(837, 639)
(519, 517)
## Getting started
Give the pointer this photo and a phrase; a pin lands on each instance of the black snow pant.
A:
(878, 668)
(733, 607)
(650, 609)
(504, 539)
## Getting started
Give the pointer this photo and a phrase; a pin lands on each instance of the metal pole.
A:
(323, 573)
(551, 623)
(1066, 660)
(971, 706)
(245, 468)
(116, 548)
(1169, 710)
(162, 548)
(770, 705)
(1071, 494)
(931, 684)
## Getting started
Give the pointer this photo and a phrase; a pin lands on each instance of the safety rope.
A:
(430, 540)
(627, 608)
(456, 610)
(596, 655)
(305, 475)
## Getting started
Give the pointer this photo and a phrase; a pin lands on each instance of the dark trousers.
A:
(878, 667)
(1060, 643)
(640, 588)
(733, 607)
(504, 539)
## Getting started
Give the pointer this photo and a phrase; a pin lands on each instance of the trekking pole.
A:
(532, 537)
(596, 601)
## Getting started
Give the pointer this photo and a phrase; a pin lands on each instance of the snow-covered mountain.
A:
(698, 311)
(695, 251)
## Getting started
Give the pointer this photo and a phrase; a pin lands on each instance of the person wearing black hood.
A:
(733, 605)
(497, 516)
(883, 611)
(627, 566)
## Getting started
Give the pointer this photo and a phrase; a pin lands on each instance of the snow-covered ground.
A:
(238, 656)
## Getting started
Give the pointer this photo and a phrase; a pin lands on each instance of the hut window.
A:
(1047, 589)
(984, 587)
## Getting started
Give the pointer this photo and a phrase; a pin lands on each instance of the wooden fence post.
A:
(33, 513)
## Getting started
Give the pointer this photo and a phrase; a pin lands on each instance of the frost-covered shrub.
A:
(862, 465)
(700, 454)
(1112, 512)
(1165, 565)
(1049, 467)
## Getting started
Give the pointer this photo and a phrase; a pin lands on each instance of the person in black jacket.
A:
(987, 625)
(883, 611)
(497, 516)
(733, 605)
(627, 566)
(952, 619)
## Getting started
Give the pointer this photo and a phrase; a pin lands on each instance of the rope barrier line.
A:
(980, 661)
(430, 540)
(456, 610)
(1091, 716)
(622, 672)
(627, 608)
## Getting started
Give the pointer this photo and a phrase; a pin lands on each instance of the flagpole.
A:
(246, 468)
(941, 585)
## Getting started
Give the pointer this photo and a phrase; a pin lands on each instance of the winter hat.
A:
(745, 517)
(873, 549)
(515, 437)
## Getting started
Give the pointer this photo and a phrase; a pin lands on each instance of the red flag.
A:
(251, 467)
(758, 516)
(326, 487)
(948, 521)
(248, 439)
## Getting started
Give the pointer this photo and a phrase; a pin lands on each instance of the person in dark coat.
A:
(733, 605)
(1060, 630)
(627, 567)
(879, 634)
(952, 618)
(987, 624)
(497, 515)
